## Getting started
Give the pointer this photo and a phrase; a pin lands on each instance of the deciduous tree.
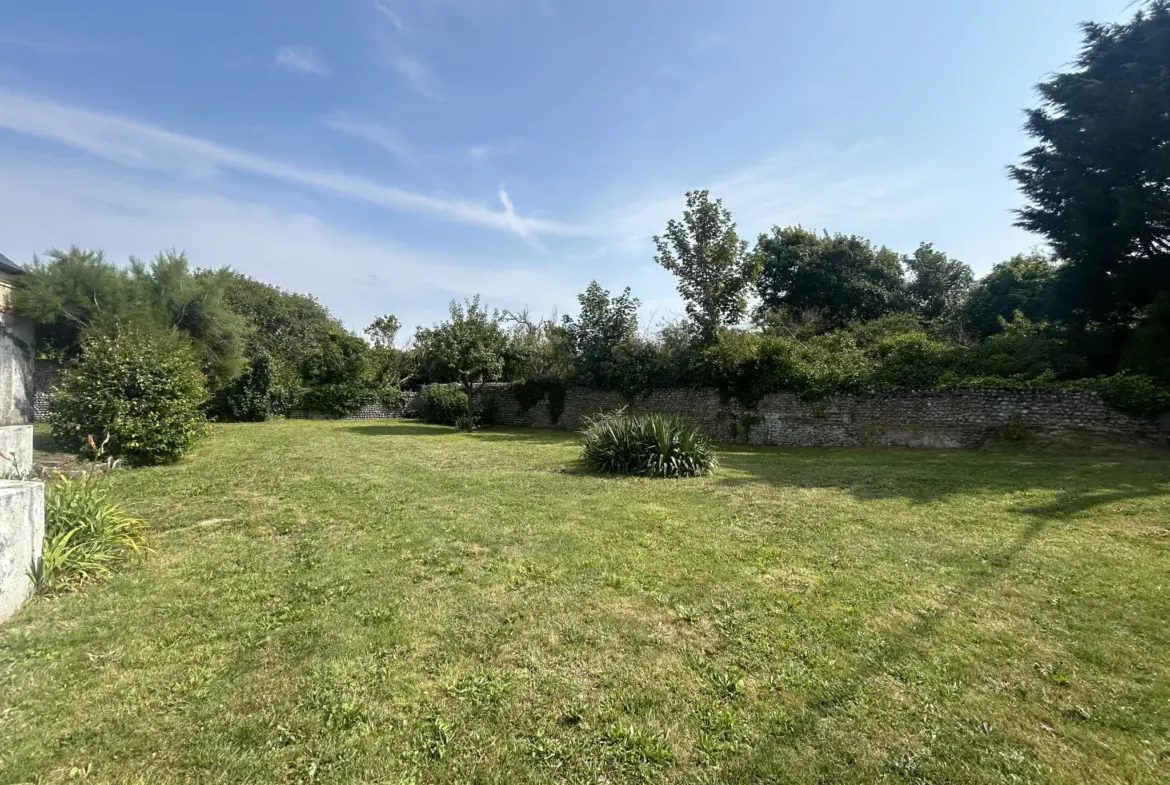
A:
(468, 348)
(714, 268)
(840, 278)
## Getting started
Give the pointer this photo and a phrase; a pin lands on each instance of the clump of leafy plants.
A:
(646, 445)
(87, 535)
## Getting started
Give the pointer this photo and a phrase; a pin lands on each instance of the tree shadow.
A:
(403, 429)
(539, 436)
(1083, 481)
(894, 650)
(489, 435)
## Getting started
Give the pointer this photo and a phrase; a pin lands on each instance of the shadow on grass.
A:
(897, 649)
(405, 429)
(1083, 482)
(490, 435)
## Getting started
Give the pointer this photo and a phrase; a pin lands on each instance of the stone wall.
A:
(955, 419)
(373, 411)
(46, 377)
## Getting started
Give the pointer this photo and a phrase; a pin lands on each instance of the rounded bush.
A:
(647, 445)
(140, 388)
(443, 404)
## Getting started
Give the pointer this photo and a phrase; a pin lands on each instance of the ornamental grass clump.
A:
(646, 445)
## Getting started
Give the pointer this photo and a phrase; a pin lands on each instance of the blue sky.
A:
(389, 155)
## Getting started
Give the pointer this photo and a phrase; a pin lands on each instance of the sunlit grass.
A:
(367, 603)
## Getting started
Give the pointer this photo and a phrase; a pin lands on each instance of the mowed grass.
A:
(339, 602)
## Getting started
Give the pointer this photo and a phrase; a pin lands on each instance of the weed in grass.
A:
(634, 752)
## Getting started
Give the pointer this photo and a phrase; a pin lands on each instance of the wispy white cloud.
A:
(482, 152)
(48, 204)
(56, 44)
(515, 221)
(388, 12)
(419, 77)
(144, 146)
(302, 58)
(374, 133)
(819, 188)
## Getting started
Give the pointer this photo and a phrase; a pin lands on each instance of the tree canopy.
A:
(938, 284)
(842, 278)
(714, 268)
(1023, 284)
(1098, 178)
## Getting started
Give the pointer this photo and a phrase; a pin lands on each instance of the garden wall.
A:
(940, 419)
(373, 411)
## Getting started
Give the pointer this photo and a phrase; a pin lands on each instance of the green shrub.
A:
(909, 361)
(394, 399)
(1140, 396)
(142, 389)
(748, 366)
(1023, 349)
(650, 445)
(337, 399)
(288, 389)
(87, 535)
(443, 404)
(249, 397)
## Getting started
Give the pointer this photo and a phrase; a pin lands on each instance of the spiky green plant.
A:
(87, 535)
(646, 445)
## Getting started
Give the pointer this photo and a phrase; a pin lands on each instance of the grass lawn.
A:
(344, 602)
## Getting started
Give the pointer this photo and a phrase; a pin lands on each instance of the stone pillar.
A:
(22, 536)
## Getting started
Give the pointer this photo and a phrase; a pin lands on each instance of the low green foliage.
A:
(394, 398)
(249, 398)
(1133, 394)
(337, 399)
(443, 404)
(141, 388)
(646, 445)
(87, 535)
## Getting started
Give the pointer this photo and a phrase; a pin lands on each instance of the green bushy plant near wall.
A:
(249, 397)
(142, 388)
(646, 445)
(338, 399)
(443, 404)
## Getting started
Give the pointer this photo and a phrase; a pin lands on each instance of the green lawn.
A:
(341, 602)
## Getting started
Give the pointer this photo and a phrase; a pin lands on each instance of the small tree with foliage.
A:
(714, 268)
(249, 397)
(383, 330)
(142, 388)
(939, 284)
(69, 293)
(467, 349)
(603, 325)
